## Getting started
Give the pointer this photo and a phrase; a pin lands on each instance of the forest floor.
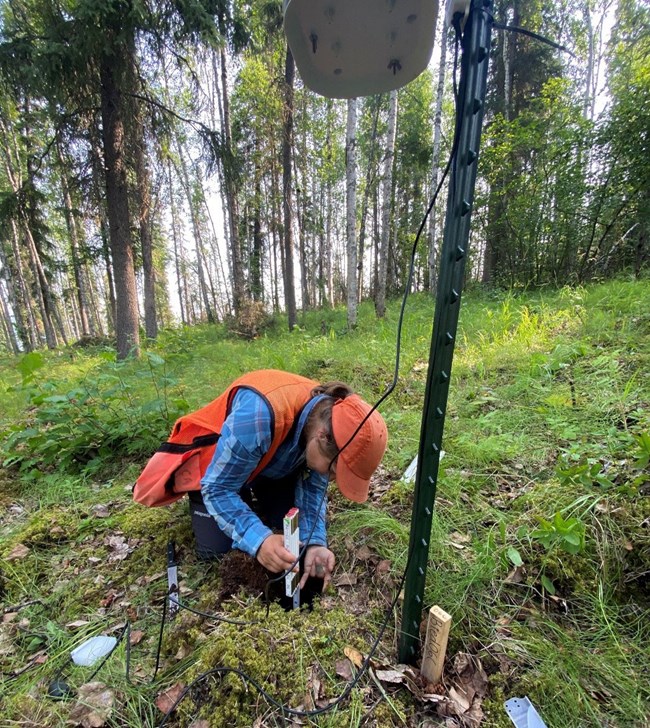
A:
(540, 546)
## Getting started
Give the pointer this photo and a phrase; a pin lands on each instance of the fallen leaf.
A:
(101, 511)
(19, 551)
(77, 624)
(345, 580)
(94, 706)
(165, 701)
(120, 547)
(355, 657)
(390, 676)
(344, 669)
(458, 537)
(183, 652)
(137, 635)
(111, 596)
(502, 625)
(516, 576)
(155, 577)
(364, 553)
(469, 669)
(94, 560)
(384, 566)
(203, 723)
(461, 706)
(458, 546)
(314, 689)
(6, 643)
(460, 699)
(9, 617)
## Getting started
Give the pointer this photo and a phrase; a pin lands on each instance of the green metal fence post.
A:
(471, 92)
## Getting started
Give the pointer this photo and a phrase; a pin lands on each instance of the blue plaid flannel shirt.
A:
(245, 437)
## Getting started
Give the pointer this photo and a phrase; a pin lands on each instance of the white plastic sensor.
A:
(348, 48)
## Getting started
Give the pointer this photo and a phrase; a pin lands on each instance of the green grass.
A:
(549, 391)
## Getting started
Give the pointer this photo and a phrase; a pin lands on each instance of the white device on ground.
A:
(292, 544)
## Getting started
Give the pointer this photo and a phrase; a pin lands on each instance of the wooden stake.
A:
(435, 644)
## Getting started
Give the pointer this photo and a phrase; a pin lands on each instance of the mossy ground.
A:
(542, 383)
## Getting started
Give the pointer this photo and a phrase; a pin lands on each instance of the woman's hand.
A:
(273, 556)
(319, 562)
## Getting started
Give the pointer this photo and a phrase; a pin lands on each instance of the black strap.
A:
(178, 448)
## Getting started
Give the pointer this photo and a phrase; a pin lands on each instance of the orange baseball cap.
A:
(357, 461)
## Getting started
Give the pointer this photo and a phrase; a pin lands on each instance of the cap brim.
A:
(351, 486)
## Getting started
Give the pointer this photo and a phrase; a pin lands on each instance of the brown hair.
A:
(336, 390)
(321, 414)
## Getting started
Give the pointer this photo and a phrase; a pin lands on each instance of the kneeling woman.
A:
(280, 438)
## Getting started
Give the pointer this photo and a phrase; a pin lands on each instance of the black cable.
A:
(281, 706)
(126, 630)
(531, 34)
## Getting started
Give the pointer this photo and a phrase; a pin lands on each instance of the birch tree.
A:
(351, 211)
(287, 186)
(387, 185)
(435, 164)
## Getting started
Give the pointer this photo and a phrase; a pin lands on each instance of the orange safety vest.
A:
(179, 464)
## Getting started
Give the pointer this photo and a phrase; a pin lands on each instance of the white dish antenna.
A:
(349, 48)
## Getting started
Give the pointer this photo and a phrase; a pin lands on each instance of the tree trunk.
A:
(198, 238)
(430, 282)
(301, 217)
(80, 282)
(387, 184)
(9, 304)
(376, 236)
(257, 255)
(179, 257)
(143, 196)
(287, 141)
(370, 179)
(7, 323)
(257, 285)
(99, 183)
(117, 203)
(351, 211)
(222, 307)
(275, 226)
(27, 326)
(42, 287)
(587, 103)
(229, 172)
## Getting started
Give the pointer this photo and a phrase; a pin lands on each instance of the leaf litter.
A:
(458, 696)
(94, 706)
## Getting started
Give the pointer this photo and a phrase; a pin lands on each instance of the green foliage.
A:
(584, 473)
(29, 364)
(90, 426)
(530, 545)
(643, 456)
(565, 534)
